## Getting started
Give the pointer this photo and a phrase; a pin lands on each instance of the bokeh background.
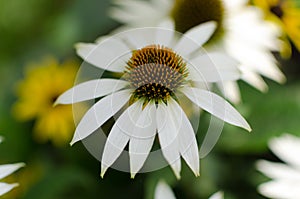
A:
(33, 30)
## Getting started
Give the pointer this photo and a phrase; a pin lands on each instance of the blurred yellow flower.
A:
(285, 14)
(37, 92)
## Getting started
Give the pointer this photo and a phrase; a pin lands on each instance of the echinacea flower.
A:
(157, 69)
(285, 176)
(42, 84)
(5, 170)
(163, 191)
(241, 32)
(286, 15)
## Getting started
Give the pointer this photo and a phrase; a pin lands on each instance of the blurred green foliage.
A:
(31, 29)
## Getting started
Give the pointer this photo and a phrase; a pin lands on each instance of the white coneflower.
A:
(5, 170)
(163, 191)
(157, 70)
(241, 32)
(285, 177)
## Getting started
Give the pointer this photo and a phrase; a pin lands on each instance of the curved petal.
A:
(110, 54)
(168, 138)
(163, 191)
(278, 171)
(287, 148)
(142, 138)
(90, 90)
(100, 113)
(231, 91)
(217, 106)
(120, 135)
(253, 79)
(8, 169)
(4, 188)
(280, 189)
(214, 67)
(188, 147)
(194, 38)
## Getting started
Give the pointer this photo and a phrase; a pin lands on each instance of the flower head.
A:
(158, 68)
(5, 170)
(42, 84)
(249, 43)
(285, 177)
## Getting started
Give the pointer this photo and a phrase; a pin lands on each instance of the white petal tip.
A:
(73, 142)
(103, 171)
(177, 175)
(78, 45)
(132, 176)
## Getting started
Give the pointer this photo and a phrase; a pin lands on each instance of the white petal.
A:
(253, 79)
(163, 191)
(194, 38)
(119, 136)
(1, 139)
(264, 62)
(139, 38)
(7, 169)
(217, 106)
(187, 140)
(100, 113)
(287, 148)
(90, 90)
(234, 4)
(218, 195)
(278, 170)
(135, 13)
(168, 138)
(214, 67)
(231, 91)
(142, 138)
(4, 188)
(165, 33)
(280, 189)
(110, 54)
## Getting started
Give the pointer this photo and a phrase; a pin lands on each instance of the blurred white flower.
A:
(163, 191)
(285, 177)
(5, 170)
(155, 77)
(241, 32)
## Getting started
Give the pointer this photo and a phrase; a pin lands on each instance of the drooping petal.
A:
(194, 38)
(142, 138)
(4, 187)
(90, 90)
(8, 169)
(280, 189)
(253, 79)
(110, 54)
(163, 191)
(278, 170)
(231, 91)
(217, 106)
(287, 148)
(168, 138)
(100, 113)
(188, 147)
(120, 135)
(214, 67)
